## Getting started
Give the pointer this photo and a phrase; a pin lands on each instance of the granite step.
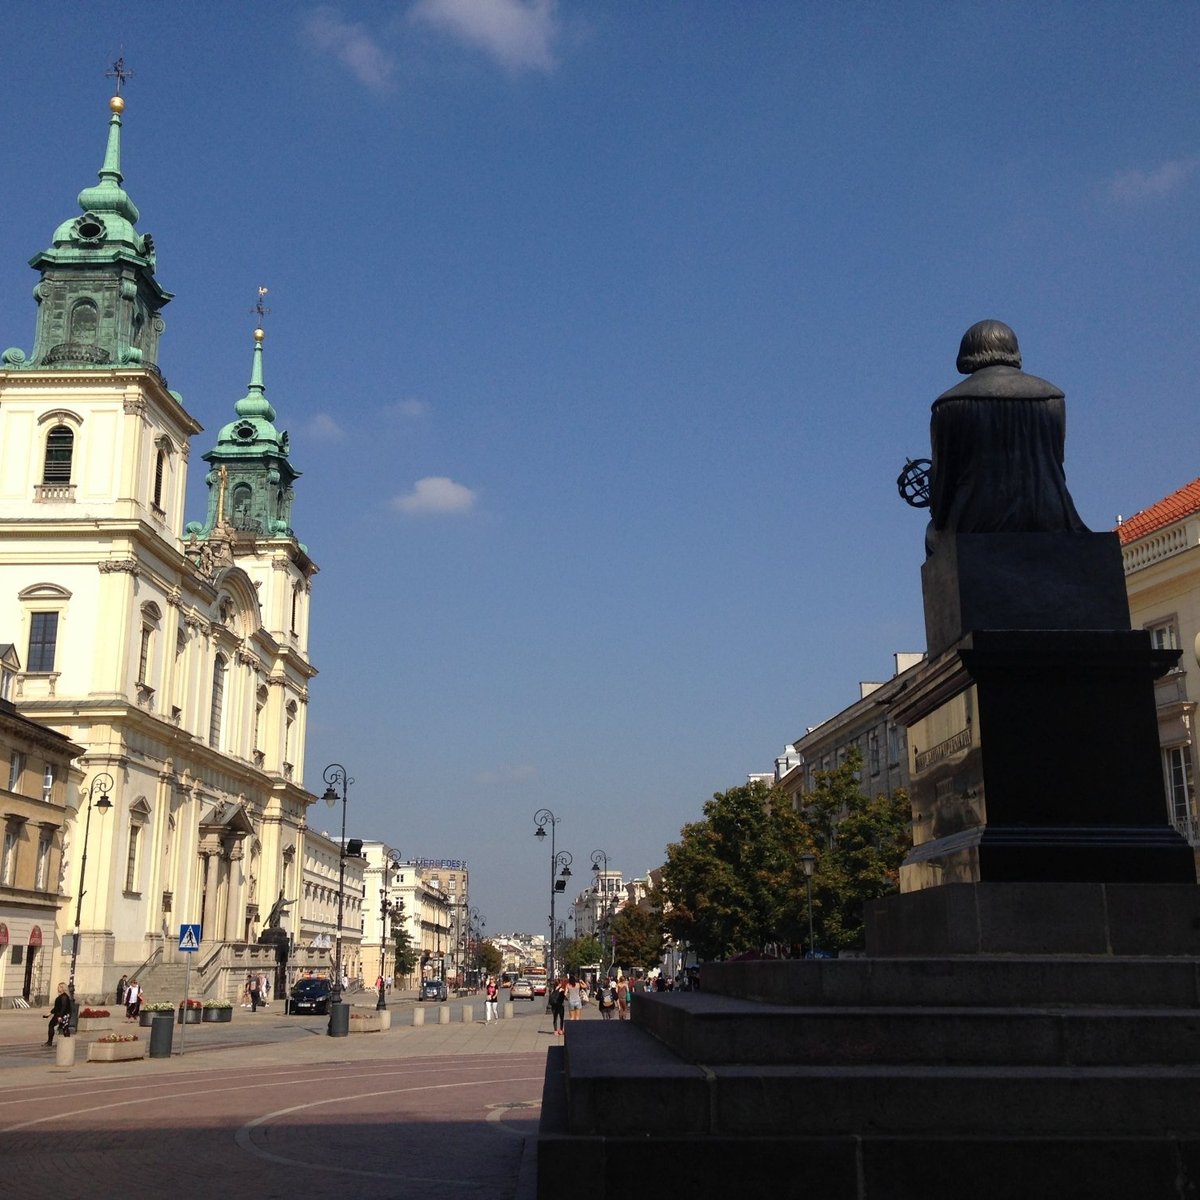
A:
(997, 981)
(714, 1029)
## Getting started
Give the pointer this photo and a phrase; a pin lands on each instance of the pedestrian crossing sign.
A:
(189, 938)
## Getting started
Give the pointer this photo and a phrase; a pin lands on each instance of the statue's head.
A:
(988, 344)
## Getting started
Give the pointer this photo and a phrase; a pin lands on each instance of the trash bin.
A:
(162, 1030)
(339, 1020)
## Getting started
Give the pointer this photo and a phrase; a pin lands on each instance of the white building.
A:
(180, 663)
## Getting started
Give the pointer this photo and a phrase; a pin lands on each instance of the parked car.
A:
(520, 989)
(310, 995)
(433, 989)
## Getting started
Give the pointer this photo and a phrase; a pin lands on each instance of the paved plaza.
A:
(270, 1106)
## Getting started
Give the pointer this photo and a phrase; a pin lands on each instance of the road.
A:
(270, 1106)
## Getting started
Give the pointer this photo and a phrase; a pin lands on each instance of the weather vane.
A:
(120, 72)
(259, 307)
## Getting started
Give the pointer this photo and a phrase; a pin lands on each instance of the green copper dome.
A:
(98, 300)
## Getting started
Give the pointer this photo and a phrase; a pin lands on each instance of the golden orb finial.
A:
(117, 104)
(259, 334)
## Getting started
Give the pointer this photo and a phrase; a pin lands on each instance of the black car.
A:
(310, 995)
(433, 989)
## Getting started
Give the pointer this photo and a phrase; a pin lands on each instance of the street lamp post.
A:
(542, 818)
(601, 885)
(103, 781)
(335, 776)
(386, 912)
(807, 863)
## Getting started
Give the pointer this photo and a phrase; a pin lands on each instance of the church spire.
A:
(98, 301)
(250, 480)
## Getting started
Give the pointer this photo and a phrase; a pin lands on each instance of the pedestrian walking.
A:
(557, 1002)
(122, 984)
(574, 999)
(491, 1006)
(133, 1000)
(606, 999)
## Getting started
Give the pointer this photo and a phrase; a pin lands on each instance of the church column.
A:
(212, 868)
(235, 906)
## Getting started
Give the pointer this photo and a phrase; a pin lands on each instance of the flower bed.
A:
(190, 1012)
(117, 1047)
(150, 1011)
(374, 1022)
(217, 1012)
(94, 1012)
(90, 1024)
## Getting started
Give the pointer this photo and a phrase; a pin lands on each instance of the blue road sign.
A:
(189, 938)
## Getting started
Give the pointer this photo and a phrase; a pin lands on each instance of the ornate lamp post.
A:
(807, 862)
(542, 818)
(386, 911)
(104, 782)
(601, 887)
(335, 776)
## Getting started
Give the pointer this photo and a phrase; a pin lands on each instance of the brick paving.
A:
(269, 1106)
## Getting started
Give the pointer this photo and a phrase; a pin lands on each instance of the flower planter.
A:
(146, 1017)
(91, 1024)
(367, 1024)
(217, 1016)
(189, 1016)
(116, 1051)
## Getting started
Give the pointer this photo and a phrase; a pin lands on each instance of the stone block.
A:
(444, 1014)
(418, 1016)
(116, 1051)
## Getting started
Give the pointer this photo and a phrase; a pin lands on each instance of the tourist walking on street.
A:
(133, 1000)
(574, 999)
(491, 1009)
(558, 1003)
(60, 1015)
(606, 999)
(255, 993)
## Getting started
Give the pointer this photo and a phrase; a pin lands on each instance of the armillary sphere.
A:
(913, 482)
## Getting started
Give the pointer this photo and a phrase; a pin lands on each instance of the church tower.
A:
(180, 663)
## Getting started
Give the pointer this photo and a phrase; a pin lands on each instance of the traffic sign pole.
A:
(189, 943)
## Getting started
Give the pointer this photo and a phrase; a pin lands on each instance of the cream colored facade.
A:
(180, 667)
(38, 783)
(1161, 551)
(325, 877)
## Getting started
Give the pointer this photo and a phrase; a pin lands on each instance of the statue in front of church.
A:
(278, 910)
(998, 443)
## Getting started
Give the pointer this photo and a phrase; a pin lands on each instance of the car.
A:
(520, 989)
(433, 989)
(310, 995)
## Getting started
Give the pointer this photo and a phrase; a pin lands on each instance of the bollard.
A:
(162, 1031)
(468, 1014)
(418, 1016)
(506, 1010)
(339, 1020)
(444, 1015)
(64, 1051)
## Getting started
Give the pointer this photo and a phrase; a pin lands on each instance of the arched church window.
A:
(84, 323)
(218, 702)
(241, 506)
(60, 447)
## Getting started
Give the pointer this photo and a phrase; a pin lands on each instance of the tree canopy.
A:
(637, 936)
(490, 958)
(581, 952)
(406, 954)
(734, 881)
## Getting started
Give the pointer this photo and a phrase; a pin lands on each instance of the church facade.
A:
(176, 657)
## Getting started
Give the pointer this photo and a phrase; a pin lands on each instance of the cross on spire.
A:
(259, 307)
(120, 72)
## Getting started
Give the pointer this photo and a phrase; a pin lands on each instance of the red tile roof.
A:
(1166, 512)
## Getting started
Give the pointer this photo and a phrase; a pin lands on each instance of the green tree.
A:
(490, 959)
(731, 881)
(637, 936)
(580, 952)
(406, 953)
(859, 843)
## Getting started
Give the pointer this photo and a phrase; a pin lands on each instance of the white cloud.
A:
(323, 426)
(516, 33)
(1134, 187)
(436, 494)
(409, 409)
(352, 46)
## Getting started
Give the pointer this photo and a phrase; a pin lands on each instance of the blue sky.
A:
(602, 331)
